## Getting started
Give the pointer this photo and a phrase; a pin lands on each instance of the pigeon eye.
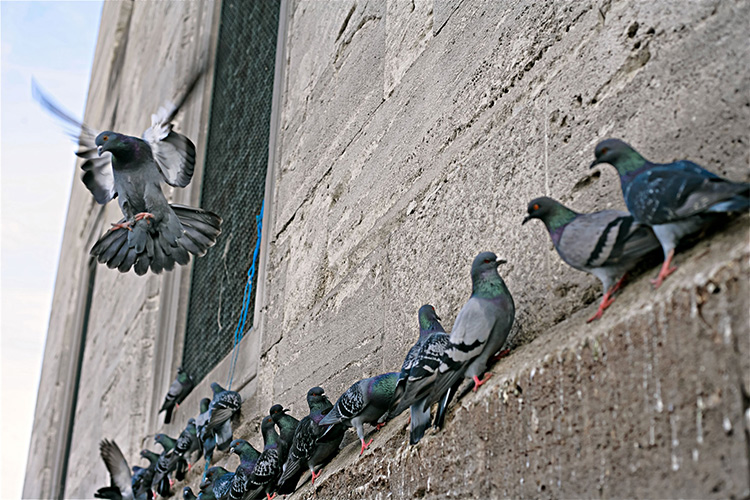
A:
(535, 207)
(604, 150)
(105, 138)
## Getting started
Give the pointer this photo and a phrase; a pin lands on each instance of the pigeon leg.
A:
(269, 497)
(124, 225)
(665, 270)
(144, 215)
(364, 446)
(380, 426)
(500, 355)
(478, 382)
(607, 299)
(315, 476)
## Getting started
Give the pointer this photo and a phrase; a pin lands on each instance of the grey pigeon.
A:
(606, 244)
(248, 458)
(165, 465)
(207, 439)
(268, 467)
(417, 374)
(216, 484)
(153, 234)
(313, 445)
(178, 391)
(287, 427)
(224, 405)
(366, 402)
(121, 485)
(676, 199)
(188, 445)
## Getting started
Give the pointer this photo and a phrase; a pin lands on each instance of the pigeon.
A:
(248, 458)
(178, 391)
(287, 427)
(223, 407)
(189, 444)
(310, 447)
(167, 462)
(606, 244)
(153, 234)
(366, 402)
(217, 483)
(417, 374)
(187, 493)
(675, 199)
(123, 484)
(268, 467)
(207, 439)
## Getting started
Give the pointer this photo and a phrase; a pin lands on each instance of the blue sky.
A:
(54, 42)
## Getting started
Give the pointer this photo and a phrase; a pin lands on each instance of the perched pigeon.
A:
(187, 493)
(418, 373)
(223, 407)
(310, 447)
(153, 234)
(365, 402)
(675, 199)
(168, 462)
(422, 359)
(248, 458)
(188, 445)
(268, 467)
(207, 439)
(218, 482)
(606, 244)
(178, 391)
(287, 427)
(122, 482)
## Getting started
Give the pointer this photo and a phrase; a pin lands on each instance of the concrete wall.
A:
(411, 137)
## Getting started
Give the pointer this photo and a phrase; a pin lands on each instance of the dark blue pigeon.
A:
(216, 484)
(606, 244)
(268, 467)
(207, 439)
(287, 427)
(313, 445)
(224, 405)
(366, 402)
(676, 199)
(167, 463)
(248, 458)
(178, 391)
(153, 234)
(188, 444)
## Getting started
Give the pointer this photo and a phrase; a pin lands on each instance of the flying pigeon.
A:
(366, 402)
(675, 199)
(312, 446)
(123, 485)
(188, 445)
(153, 234)
(218, 482)
(223, 407)
(417, 374)
(248, 458)
(178, 391)
(606, 244)
(268, 467)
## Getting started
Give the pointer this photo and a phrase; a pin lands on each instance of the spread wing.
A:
(97, 171)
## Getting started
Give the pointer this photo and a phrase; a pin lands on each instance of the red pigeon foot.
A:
(478, 382)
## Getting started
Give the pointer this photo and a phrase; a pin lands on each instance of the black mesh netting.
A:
(234, 178)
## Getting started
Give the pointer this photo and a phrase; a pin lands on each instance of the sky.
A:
(54, 42)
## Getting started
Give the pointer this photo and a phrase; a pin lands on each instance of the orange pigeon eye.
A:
(535, 207)
(604, 150)
(105, 138)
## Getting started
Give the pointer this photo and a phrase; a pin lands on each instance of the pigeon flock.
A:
(666, 203)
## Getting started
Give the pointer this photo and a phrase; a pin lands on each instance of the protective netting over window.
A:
(234, 177)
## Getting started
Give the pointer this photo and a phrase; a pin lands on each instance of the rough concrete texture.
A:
(143, 51)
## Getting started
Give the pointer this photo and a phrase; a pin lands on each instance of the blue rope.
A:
(239, 332)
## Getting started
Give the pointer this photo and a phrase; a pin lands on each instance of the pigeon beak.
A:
(526, 219)
(594, 163)
(231, 450)
(99, 150)
(501, 261)
(203, 485)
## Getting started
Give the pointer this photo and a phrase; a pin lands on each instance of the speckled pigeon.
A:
(418, 373)
(218, 482)
(268, 467)
(365, 402)
(287, 427)
(606, 244)
(178, 391)
(248, 458)
(153, 234)
(675, 199)
(312, 446)
(224, 405)
(188, 445)
(122, 482)
(168, 462)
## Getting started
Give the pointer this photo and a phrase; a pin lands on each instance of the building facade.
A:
(390, 142)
